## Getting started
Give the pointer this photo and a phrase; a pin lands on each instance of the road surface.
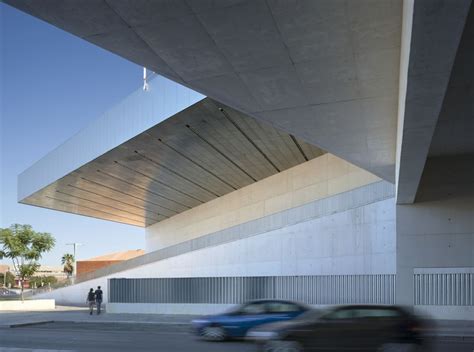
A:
(66, 336)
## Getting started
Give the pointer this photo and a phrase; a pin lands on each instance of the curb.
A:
(19, 325)
(119, 322)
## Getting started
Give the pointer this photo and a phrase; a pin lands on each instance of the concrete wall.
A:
(156, 308)
(319, 178)
(438, 230)
(359, 238)
(153, 308)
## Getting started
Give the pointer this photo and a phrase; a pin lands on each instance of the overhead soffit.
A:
(436, 114)
(325, 71)
(197, 155)
(454, 131)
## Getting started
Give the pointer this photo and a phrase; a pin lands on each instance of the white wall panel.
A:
(329, 245)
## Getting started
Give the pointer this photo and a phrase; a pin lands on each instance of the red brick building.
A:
(92, 264)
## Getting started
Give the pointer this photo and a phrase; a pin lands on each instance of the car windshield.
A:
(247, 308)
(233, 310)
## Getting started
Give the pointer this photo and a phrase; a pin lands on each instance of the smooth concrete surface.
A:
(27, 305)
(80, 314)
(178, 309)
(455, 127)
(325, 71)
(446, 312)
(438, 230)
(405, 46)
(356, 241)
(465, 313)
(341, 202)
(156, 308)
(319, 178)
(436, 33)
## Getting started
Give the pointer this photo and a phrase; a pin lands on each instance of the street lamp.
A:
(75, 245)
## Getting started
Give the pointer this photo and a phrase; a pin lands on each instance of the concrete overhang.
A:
(325, 71)
(157, 154)
(438, 80)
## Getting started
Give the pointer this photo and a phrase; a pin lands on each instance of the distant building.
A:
(92, 264)
(47, 270)
(43, 271)
(4, 268)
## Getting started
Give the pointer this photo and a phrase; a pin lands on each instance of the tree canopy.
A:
(68, 261)
(24, 247)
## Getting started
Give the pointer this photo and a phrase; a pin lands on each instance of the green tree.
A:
(68, 261)
(9, 280)
(24, 247)
(41, 281)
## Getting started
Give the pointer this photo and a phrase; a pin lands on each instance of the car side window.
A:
(340, 314)
(253, 308)
(282, 307)
(375, 313)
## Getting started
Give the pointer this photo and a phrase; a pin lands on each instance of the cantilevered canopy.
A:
(323, 70)
(201, 153)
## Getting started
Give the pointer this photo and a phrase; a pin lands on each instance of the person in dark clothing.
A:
(98, 298)
(91, 300)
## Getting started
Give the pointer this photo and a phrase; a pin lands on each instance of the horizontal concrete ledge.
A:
(191, 309)
(28, 305)
(446, 312)
(167, 308)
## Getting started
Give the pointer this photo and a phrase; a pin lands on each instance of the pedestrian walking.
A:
(91, 300)
(98, 299)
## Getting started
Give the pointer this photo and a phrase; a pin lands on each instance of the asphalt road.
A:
(66, 336)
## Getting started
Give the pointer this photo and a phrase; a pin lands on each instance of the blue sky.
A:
(52, 85)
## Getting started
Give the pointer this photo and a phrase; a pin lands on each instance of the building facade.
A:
(328, 156)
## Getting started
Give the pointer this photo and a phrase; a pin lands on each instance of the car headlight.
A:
(262, 335)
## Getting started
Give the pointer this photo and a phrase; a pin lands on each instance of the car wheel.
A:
(213, 333)
(282, 346)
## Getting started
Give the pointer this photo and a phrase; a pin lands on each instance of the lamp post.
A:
(75, 245)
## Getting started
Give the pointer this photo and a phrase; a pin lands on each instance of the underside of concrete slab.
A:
(324, 71)
(435, 37)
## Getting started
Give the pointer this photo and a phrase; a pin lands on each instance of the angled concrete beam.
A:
(430, 49)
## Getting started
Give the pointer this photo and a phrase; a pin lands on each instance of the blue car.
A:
(236, 322)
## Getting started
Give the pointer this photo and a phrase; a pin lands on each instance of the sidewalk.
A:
(454, 329)
(446, 329)
(81, 315)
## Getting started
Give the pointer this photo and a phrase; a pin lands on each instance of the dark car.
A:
(236, 322)
(355, 327)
